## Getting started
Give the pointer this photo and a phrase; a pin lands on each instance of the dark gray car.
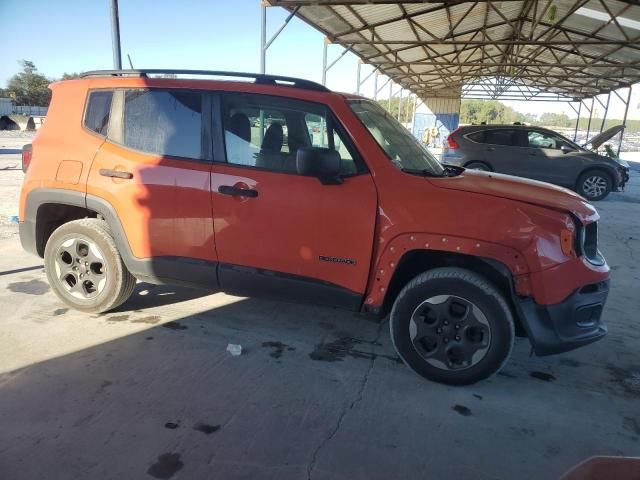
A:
(539, 154)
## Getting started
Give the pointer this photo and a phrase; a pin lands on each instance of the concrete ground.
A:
(150, 391)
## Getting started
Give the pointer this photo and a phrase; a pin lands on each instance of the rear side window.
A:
(501, 137)
(164, 122)
(96, 118)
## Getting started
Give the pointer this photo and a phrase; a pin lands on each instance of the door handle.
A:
(237, 192)
(106, 172)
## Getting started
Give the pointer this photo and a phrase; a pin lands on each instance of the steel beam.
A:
(624, 119)
(606, 110)
(593, 99)
(575, 133)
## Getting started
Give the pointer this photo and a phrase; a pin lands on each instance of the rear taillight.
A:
(451, 143)
(26, 156)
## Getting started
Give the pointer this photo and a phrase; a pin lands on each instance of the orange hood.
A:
(522, 190)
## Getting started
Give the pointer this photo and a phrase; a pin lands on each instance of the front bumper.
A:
(567, 325)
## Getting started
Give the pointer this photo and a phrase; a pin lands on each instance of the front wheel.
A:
(594, 185)
(452, 326)
(84, 267)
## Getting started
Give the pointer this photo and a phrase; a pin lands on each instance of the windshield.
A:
(404, 151)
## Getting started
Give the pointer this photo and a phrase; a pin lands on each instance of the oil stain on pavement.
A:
(32, 287)
(462, 410)
(166, 466)
(175, 326)
(206, 428)
(337, 350)
(278, 348)
(547, 377)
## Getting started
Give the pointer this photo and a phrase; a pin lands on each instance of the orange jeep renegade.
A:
(280, 187)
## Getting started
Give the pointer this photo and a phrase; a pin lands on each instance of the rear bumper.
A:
(567, 325)
(27, 230)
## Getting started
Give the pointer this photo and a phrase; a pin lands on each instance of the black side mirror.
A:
(323, 163)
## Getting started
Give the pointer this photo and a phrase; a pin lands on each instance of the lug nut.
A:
(446, 340)
(439, 330)
(457, 338)
(457, 326)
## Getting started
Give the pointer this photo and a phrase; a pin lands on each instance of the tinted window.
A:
(500, 137)
(266, 132)
(164, 122)
(98, 108)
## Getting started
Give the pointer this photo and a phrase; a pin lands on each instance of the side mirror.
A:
(323, 163)
(566, 149)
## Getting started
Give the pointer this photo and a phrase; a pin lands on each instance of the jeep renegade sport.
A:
(281, 187)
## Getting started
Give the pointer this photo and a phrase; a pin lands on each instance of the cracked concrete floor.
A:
(149, 391)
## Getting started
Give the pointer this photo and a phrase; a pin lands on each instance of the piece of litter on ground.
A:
(14, 219)
(235, 350)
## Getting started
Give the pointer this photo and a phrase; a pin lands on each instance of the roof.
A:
(511, 49)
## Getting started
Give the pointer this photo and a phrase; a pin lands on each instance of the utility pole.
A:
(115, 35)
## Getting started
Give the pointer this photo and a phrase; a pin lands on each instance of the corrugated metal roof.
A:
(529, 48)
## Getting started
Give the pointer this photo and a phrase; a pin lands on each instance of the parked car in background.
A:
(540, 154)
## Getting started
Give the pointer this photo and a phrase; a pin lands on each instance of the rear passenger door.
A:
(279, 233)
(153, 170)
(502, 151)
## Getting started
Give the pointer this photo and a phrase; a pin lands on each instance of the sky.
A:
(75, 35)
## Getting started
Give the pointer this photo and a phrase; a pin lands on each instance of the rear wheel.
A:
(452, 326)
(594, 185)
(84, 267)
(478, 166)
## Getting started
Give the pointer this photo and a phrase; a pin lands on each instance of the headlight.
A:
(587, 243)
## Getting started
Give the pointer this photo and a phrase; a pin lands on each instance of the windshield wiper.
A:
(452, 171)
(424, 172)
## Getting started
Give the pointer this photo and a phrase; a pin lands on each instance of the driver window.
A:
(544, 140)
(266, 132)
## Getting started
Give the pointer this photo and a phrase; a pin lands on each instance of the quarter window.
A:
(98, 108)
(267, 132)
(164, 122)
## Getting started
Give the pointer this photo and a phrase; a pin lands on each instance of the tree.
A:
(70, 76)
(406, 112)
(29, 87)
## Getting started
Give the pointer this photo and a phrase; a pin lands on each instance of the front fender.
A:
(389, 259)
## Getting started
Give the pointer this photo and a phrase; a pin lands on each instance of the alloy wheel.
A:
(594, 186)
(80, 268)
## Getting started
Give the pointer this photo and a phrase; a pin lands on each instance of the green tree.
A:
(406, 108)
(70, 76)
(549, 119)
(29, 87)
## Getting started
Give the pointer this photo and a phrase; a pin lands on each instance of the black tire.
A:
(84, 267)
(594, 184)
(478, 166)
(468, 293)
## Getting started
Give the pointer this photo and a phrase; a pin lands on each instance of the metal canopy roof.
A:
(514, 49)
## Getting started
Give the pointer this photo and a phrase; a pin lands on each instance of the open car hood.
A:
(522, 190)
(599, 139)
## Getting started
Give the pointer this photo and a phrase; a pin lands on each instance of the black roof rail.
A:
(259, 78)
